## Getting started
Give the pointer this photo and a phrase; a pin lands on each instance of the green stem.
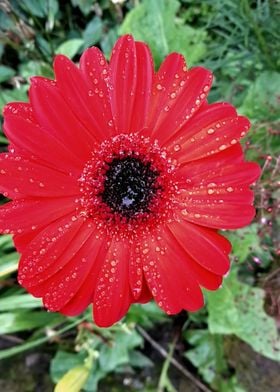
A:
(164, 381)
(29, 345)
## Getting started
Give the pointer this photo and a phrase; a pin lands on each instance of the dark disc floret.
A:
(129, 186)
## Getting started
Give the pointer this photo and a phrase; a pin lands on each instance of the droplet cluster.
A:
(128, 185)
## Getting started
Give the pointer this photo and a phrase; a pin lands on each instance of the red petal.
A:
(40, 212)
(123, 81)
(145, 73)
(112, 297)
(177, 95)
(95, 70)
(84, 296)
(21, 109)
(20, 177)
(219, 215)
(28, 138)
(211, 131)
(56, 118)
(50, 250)
(204, 245)
(66, 283)
(169, 281)
(84, 99)
(135, 273)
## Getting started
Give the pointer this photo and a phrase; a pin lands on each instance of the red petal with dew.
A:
(33, 179)
(113, 297)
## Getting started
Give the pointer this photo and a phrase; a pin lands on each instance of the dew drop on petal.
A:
(210, 131)
(177, 147)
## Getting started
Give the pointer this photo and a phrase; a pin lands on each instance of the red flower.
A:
(120, 177)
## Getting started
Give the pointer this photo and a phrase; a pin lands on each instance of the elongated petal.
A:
(170, 283)
(113, 297)
(211, 131)
(122, 73)
(27, 215)
(57, 118)
(205, 246)
(95, 70)
(177, 95)
(33, 179)
(83, 98)
(143, 89)
(28, 138)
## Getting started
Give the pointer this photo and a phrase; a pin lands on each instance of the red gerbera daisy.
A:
(120, 177)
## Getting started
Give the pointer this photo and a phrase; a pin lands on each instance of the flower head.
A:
(120, 177)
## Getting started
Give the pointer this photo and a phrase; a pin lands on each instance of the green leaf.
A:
(21, 321)
(155, 22)
(6, 73)
(237, 309)
(23, 301)
(207, 355)
(108, 40)
(84, 5)
(18, 94)
(92, 32)
(37, 342)
(146, 315)
(137, 359)
(64, 361)
(32, 68)
(8, 264)
(262, 100)
(246, 242)
(70, 48)
(117, 353)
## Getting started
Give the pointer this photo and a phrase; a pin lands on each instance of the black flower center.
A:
(129, 186)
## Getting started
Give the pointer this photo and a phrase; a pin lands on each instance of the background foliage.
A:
(239, 41)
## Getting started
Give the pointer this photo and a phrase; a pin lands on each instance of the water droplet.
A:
(184, 212)
(90, 93)
(167, 108)
(197, 215)
(177, 147)
(145, 251)
(229, 189)
(173, 95)
(210, 191)
(234, 141)
(159, 87)
(222, 147)
(210, 131)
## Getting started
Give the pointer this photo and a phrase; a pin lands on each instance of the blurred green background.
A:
(233, 343)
